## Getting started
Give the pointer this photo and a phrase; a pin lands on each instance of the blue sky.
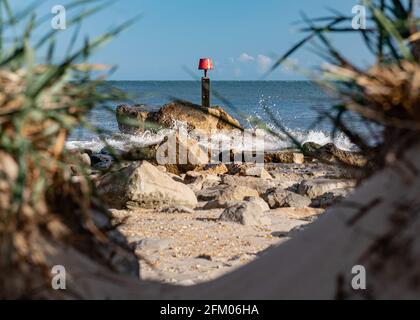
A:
(242, 36)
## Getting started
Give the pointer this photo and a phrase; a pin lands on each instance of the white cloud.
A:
(264, 63)
(245, 57)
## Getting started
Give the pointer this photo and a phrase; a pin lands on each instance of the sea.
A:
(295, 107)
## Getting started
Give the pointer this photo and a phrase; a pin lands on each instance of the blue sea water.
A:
(295, 105)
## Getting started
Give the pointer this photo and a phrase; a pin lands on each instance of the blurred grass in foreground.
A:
(40, 103)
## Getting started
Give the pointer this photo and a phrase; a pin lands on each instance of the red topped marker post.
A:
(205, 64)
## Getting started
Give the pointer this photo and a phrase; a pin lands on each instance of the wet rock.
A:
(310, 147)
(101, 161)
(245, 213)
(141, 153)
(133, 119)
(317, 187)
(195, 117)
(143, 185)
(331, 154)
(278, 198)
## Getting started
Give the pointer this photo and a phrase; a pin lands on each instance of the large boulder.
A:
(143, 185)
(135, 119)
(195, 117)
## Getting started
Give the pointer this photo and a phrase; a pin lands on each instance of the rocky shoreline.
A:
(192, 223)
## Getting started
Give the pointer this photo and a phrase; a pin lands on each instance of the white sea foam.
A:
(279, 141)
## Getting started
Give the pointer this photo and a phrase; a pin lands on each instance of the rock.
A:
(278, 198)
(236, 168)
(258, 184)
(227, 193)
(162, 168)
(195, 117)
(179, 153)
(198, 180)
(152, 244)
(297, 213)
(177, 209)
(317, 187)
(216, 168)
(143, 185)
(101, 161)
(245, 213)
(331, 154)
(257, 171)
(132, 119)
(284, 157)
(329, 198)
(310, 147)
(218, 204)
(237, 193)
(223, 204)
(141, 153)
(260, 202)
(210, 194)
(201, 176)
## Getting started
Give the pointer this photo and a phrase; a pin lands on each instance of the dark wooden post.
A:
(205, 92)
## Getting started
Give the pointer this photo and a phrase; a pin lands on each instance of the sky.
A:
(243, 37)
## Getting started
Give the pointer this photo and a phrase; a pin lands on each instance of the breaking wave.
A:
(277, 142)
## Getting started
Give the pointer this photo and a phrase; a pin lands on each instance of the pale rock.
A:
(258, 184)
(245, 213)
(260, 202)
(143, 185)
(257, 171)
